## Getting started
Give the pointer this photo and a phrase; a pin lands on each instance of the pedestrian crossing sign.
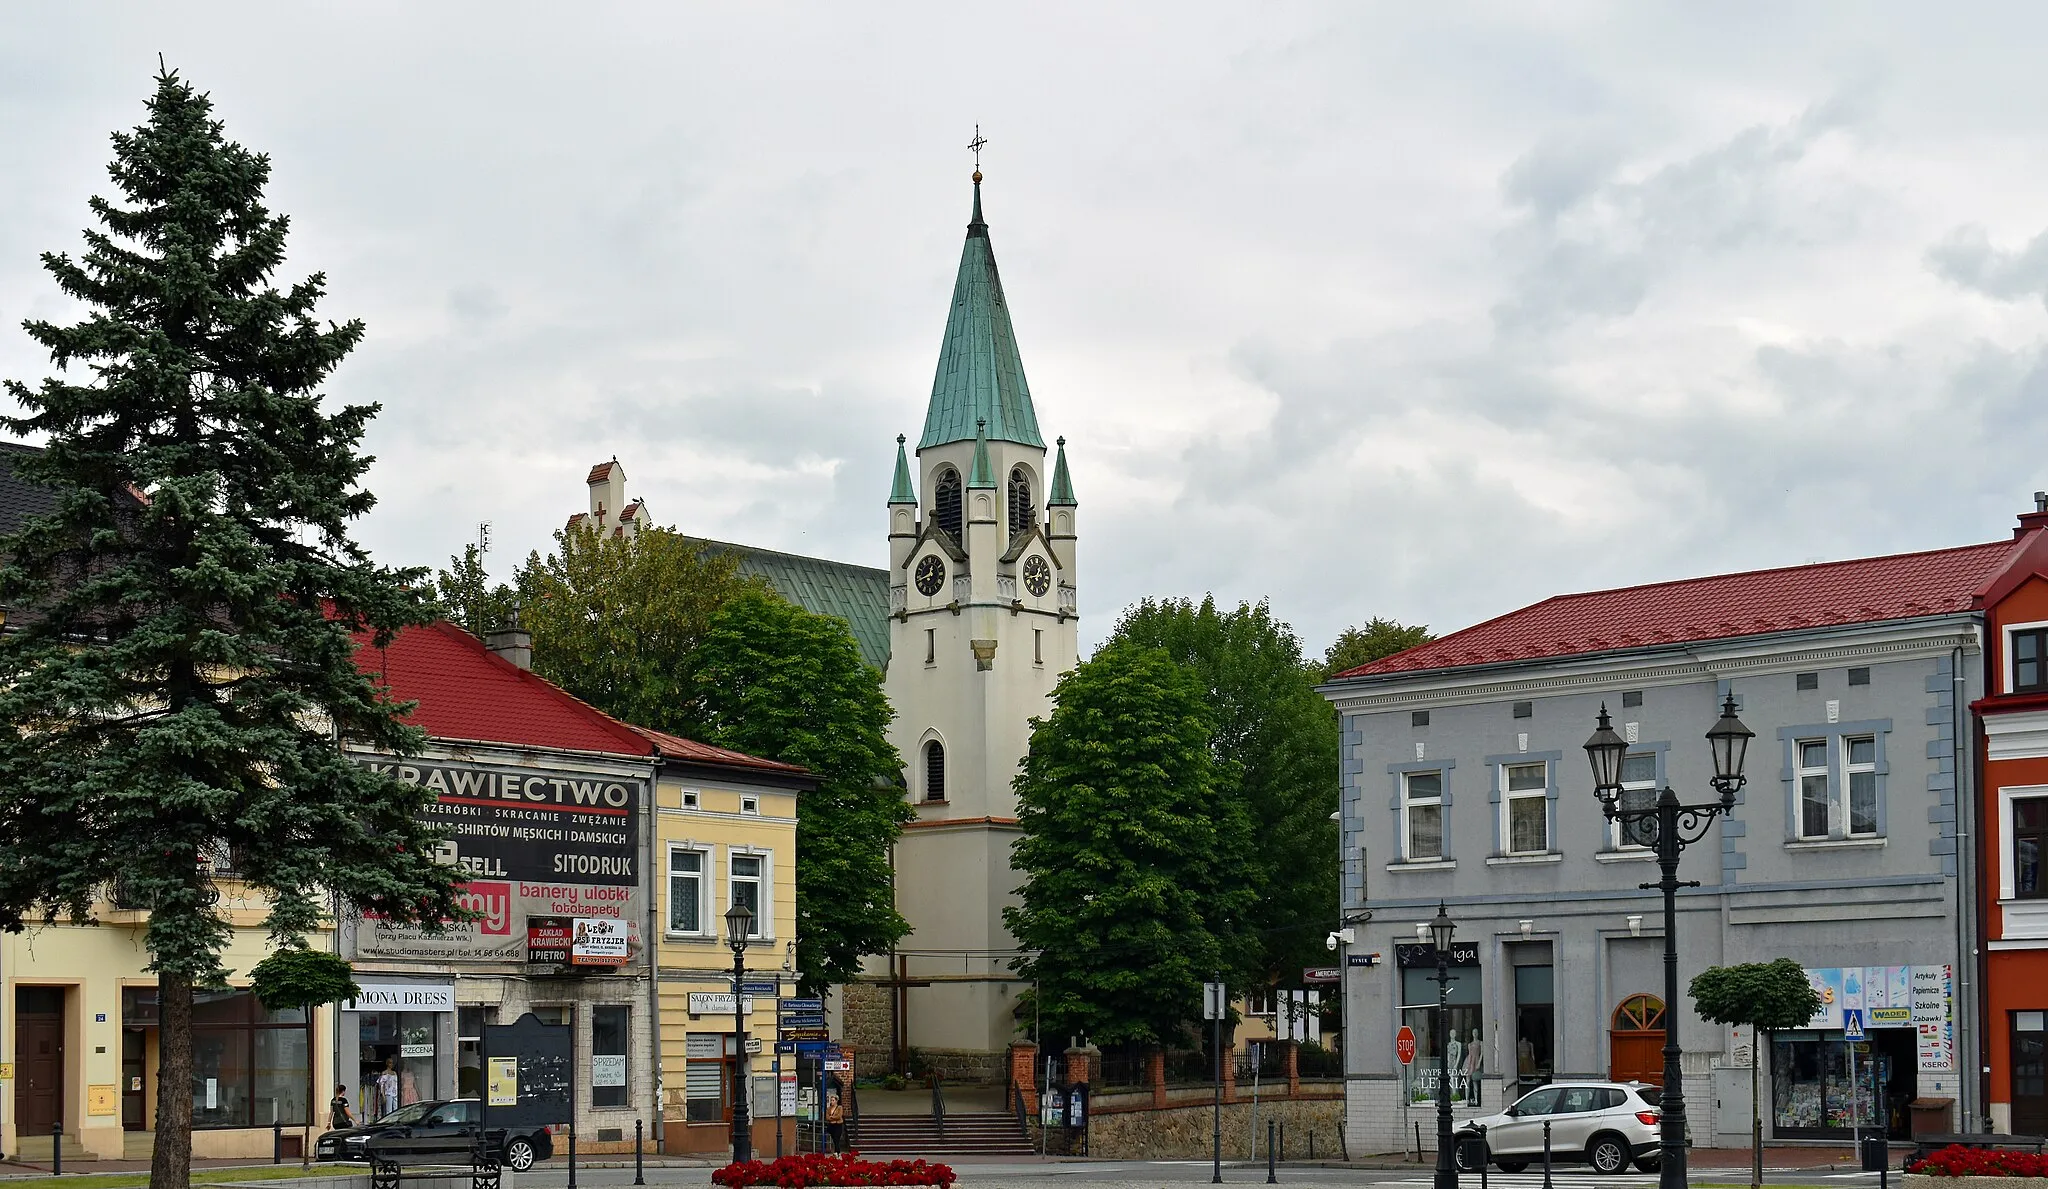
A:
(1852, 1023)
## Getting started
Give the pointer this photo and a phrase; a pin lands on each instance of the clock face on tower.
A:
(931, 574)
(1037, 575)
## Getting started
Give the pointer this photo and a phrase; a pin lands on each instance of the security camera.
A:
(1330, 942)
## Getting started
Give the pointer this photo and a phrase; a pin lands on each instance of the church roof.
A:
(857, 594)
(1062, 483)
(981, 474)
(900, 491)
(981, 375)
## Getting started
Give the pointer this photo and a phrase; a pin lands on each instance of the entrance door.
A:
(38, 1059)
(1636, 1045)
(134, 1068)
(2029, 1074)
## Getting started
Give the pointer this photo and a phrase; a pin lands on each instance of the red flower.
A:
(816, 1168)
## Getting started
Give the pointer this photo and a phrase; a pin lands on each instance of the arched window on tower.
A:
(1021, 511)
(946, 501)
(934, 771)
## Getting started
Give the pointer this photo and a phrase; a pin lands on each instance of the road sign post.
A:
(1215, 1004)
(1404, 1045)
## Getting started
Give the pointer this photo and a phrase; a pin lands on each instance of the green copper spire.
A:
(981, 474)
(1062, 485)
(900, 492)
(980, 376)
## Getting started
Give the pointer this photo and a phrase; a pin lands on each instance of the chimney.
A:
(2038, 518)
(512, 642)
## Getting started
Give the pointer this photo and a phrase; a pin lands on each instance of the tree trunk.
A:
(170, 1165)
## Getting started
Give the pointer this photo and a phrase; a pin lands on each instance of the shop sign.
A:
(547, 940)
(717, 1003)
(1918, 997)
(608, 1069)
(416, 1050)
(1409, 955)
(598, 941)
(498, 932)
(403, 997)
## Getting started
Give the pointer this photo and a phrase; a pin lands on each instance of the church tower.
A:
(982, 624)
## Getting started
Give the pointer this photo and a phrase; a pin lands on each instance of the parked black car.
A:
(441, 1131)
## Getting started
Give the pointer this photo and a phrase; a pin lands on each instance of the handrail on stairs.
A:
(939, 1104)
(1017, 1100)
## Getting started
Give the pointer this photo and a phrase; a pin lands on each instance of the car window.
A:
(409, 1114)
(1537, 1102)
(452, 1115)
(1654, 1095)
(1577, 1099)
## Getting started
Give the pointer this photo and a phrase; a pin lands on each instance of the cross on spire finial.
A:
(975, 146)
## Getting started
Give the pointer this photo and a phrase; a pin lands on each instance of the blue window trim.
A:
(1551, 761)
(1838, 780)
(1395, 772)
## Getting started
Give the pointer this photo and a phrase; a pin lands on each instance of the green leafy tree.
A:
(778, 681)
(1766, 997)
(617, 620)
(469, 599)
(1273, 740)
(1377, 640)
(1117, 801)
(185, 611)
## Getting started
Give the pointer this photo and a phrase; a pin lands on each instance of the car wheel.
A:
(1607, 1155)
(1511, 1165)
(519, 1154)
(1471, 1152)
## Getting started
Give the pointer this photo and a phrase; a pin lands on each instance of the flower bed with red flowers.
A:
(1959, 1161)
(817, 1168)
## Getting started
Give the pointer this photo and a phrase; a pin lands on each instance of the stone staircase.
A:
(35, 1149)
(977, 1133)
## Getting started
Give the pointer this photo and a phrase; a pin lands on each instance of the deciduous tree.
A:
(1376, 640)
(778, 681)
(1767, 997)
(1121, 820)
(1273, 740)
(181, 652)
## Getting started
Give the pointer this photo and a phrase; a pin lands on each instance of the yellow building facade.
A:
(725, 833)
(78, 1045)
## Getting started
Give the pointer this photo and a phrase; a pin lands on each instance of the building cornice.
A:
(1895, 640)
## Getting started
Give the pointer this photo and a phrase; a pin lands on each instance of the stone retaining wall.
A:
(1187, 1132)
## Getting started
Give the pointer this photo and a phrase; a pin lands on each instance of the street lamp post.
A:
(1440, 931)
(1667, 828)
(739, 922)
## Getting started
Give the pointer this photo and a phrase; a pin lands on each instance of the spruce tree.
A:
(182, 624)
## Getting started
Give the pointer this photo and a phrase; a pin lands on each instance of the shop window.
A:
(1535, 1025)
(2029, 1073)
(1464, 1050)
(397, 1064)
(705, 1077)
(2029, 846)
(1824, 1087)
(610, 1026)
(250, 1066)
(469, 1039)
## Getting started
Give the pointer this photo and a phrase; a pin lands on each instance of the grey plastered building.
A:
(1465, 782)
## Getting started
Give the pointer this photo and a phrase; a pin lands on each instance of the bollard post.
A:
(1484, 1154)
(572, 1154)
(640, 1173)
(276, 1143)
(1546, 1155)
(57, 1148)
(1270, 1178)
(1418, 1143)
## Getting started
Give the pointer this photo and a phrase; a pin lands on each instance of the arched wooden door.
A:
(1636, 1043)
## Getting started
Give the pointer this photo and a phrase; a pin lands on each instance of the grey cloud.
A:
(1967, 259)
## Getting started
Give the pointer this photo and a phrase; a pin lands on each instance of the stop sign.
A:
(1404, 1044)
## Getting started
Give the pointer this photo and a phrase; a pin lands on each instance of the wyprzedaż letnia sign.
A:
(1404, 1044)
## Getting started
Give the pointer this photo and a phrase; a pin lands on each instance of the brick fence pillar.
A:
(1293, 1059)
(1024, 1072)
(1155, 1077)
(1230, 1070)
(1079, 1064)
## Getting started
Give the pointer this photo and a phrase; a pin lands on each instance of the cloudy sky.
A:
(1363, 310)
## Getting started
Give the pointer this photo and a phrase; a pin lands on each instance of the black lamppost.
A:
(1440, 931)
(739, 921)
(1667, 828)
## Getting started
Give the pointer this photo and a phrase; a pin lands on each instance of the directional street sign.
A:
(1404, 1045)
(1852, 1023)
(763, 987)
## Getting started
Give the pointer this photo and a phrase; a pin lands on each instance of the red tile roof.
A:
(676, 747)
(1718, 607)
(467, 692)
(601, 472)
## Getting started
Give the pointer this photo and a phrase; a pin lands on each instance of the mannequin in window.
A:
(1454, 1061)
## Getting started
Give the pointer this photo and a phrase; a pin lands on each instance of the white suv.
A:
(1608, 1125)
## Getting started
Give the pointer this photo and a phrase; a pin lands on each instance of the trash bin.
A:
(1471, 1152)
(1875, 1152)
(1930, 1116)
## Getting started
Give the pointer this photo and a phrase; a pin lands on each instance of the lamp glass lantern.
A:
(1441, 928)
(739, 923)
(1730, 741)
(1606, 749)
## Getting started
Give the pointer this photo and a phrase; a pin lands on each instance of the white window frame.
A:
(1849, 773)
(764, 914)
(750, 804)
(1651, 786)
(1539, 794)
(1410, 802)
(1801, 773)
(2010, 630)
(704, 874)
(692, 799)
